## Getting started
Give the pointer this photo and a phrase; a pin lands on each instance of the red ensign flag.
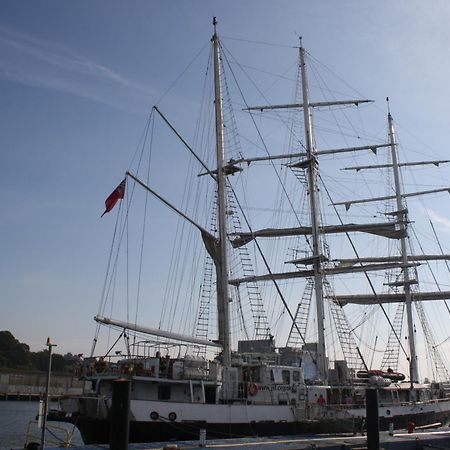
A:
(115, 195)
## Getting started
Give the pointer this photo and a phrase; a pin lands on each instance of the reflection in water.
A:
(14, 419)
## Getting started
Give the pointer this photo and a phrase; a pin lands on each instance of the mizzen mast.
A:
(401, 216)
(402, 211)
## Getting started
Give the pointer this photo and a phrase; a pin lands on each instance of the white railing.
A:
(55, 436)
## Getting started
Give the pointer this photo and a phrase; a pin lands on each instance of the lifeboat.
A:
(394, 376)
(376, 380)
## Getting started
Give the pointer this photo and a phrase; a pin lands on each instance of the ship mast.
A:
(222, 265)
(310, 162)
(313, 201)
(402, 213)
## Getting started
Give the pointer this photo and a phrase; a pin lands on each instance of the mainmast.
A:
(313, 201)
(402, 216)
(311, 164)
(222, 266)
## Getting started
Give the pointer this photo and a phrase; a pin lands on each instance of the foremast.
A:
(403, 216)
(315, 232)
(222, 263)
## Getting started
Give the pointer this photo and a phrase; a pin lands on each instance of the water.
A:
(14, 419)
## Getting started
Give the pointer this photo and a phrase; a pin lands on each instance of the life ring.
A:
(252, 389)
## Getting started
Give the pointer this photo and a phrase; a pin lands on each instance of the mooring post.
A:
(120, 415)
(373, 424)
(202, 438)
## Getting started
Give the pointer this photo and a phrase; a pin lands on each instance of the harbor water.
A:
(16, 415)
(14, 419)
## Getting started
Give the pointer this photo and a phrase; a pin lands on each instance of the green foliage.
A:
(12, 352)
(40, 360)
(17, 355)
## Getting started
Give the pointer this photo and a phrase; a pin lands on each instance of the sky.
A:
(78, 80)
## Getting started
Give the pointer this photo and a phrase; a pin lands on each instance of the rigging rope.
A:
(442, 253)
(277, 287)
(118, 234)
(365, 273)
(289, 201)
(144, 222)
(264, 144)
(257, 42)
(181, 74)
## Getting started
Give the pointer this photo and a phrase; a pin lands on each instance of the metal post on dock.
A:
(372, 420)
(120, 414)
(47, 389)
(202, 438)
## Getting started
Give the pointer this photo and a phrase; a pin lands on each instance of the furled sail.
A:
(387, 230)
(389, 298)
(326, 271)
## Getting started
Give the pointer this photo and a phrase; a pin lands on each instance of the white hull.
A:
(141, 410)
(183, 421)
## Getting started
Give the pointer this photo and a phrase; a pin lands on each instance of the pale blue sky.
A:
(78, 79)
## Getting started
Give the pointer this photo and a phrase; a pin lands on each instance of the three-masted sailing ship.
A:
(232, 386)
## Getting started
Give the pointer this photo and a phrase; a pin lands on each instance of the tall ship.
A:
(292, 280)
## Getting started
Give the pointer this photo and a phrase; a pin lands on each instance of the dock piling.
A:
(120, 415)
(202, 438)
(372, 419)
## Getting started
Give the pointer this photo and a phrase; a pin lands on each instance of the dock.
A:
(423, 440)
(30, 385)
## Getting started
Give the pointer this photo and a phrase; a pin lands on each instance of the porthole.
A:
(154, 415)
(172, 416)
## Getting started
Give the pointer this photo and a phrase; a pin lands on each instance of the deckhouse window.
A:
(286, 374)
(163, 392)
(252, 374)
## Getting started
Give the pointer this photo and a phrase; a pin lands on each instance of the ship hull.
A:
(96, 431)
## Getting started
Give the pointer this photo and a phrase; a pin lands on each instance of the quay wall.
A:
(29, 385)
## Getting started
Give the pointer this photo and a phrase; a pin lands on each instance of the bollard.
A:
(120, 415)
(373, 424)
(391, 429)
(202, 440)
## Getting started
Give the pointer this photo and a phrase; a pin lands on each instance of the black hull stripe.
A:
(97, 431)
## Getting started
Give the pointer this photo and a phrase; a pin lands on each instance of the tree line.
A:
(17, 355)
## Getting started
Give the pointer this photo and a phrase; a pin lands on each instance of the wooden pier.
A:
(25, 396)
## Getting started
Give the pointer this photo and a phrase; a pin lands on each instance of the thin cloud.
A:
(437, 218)
(42, 63)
